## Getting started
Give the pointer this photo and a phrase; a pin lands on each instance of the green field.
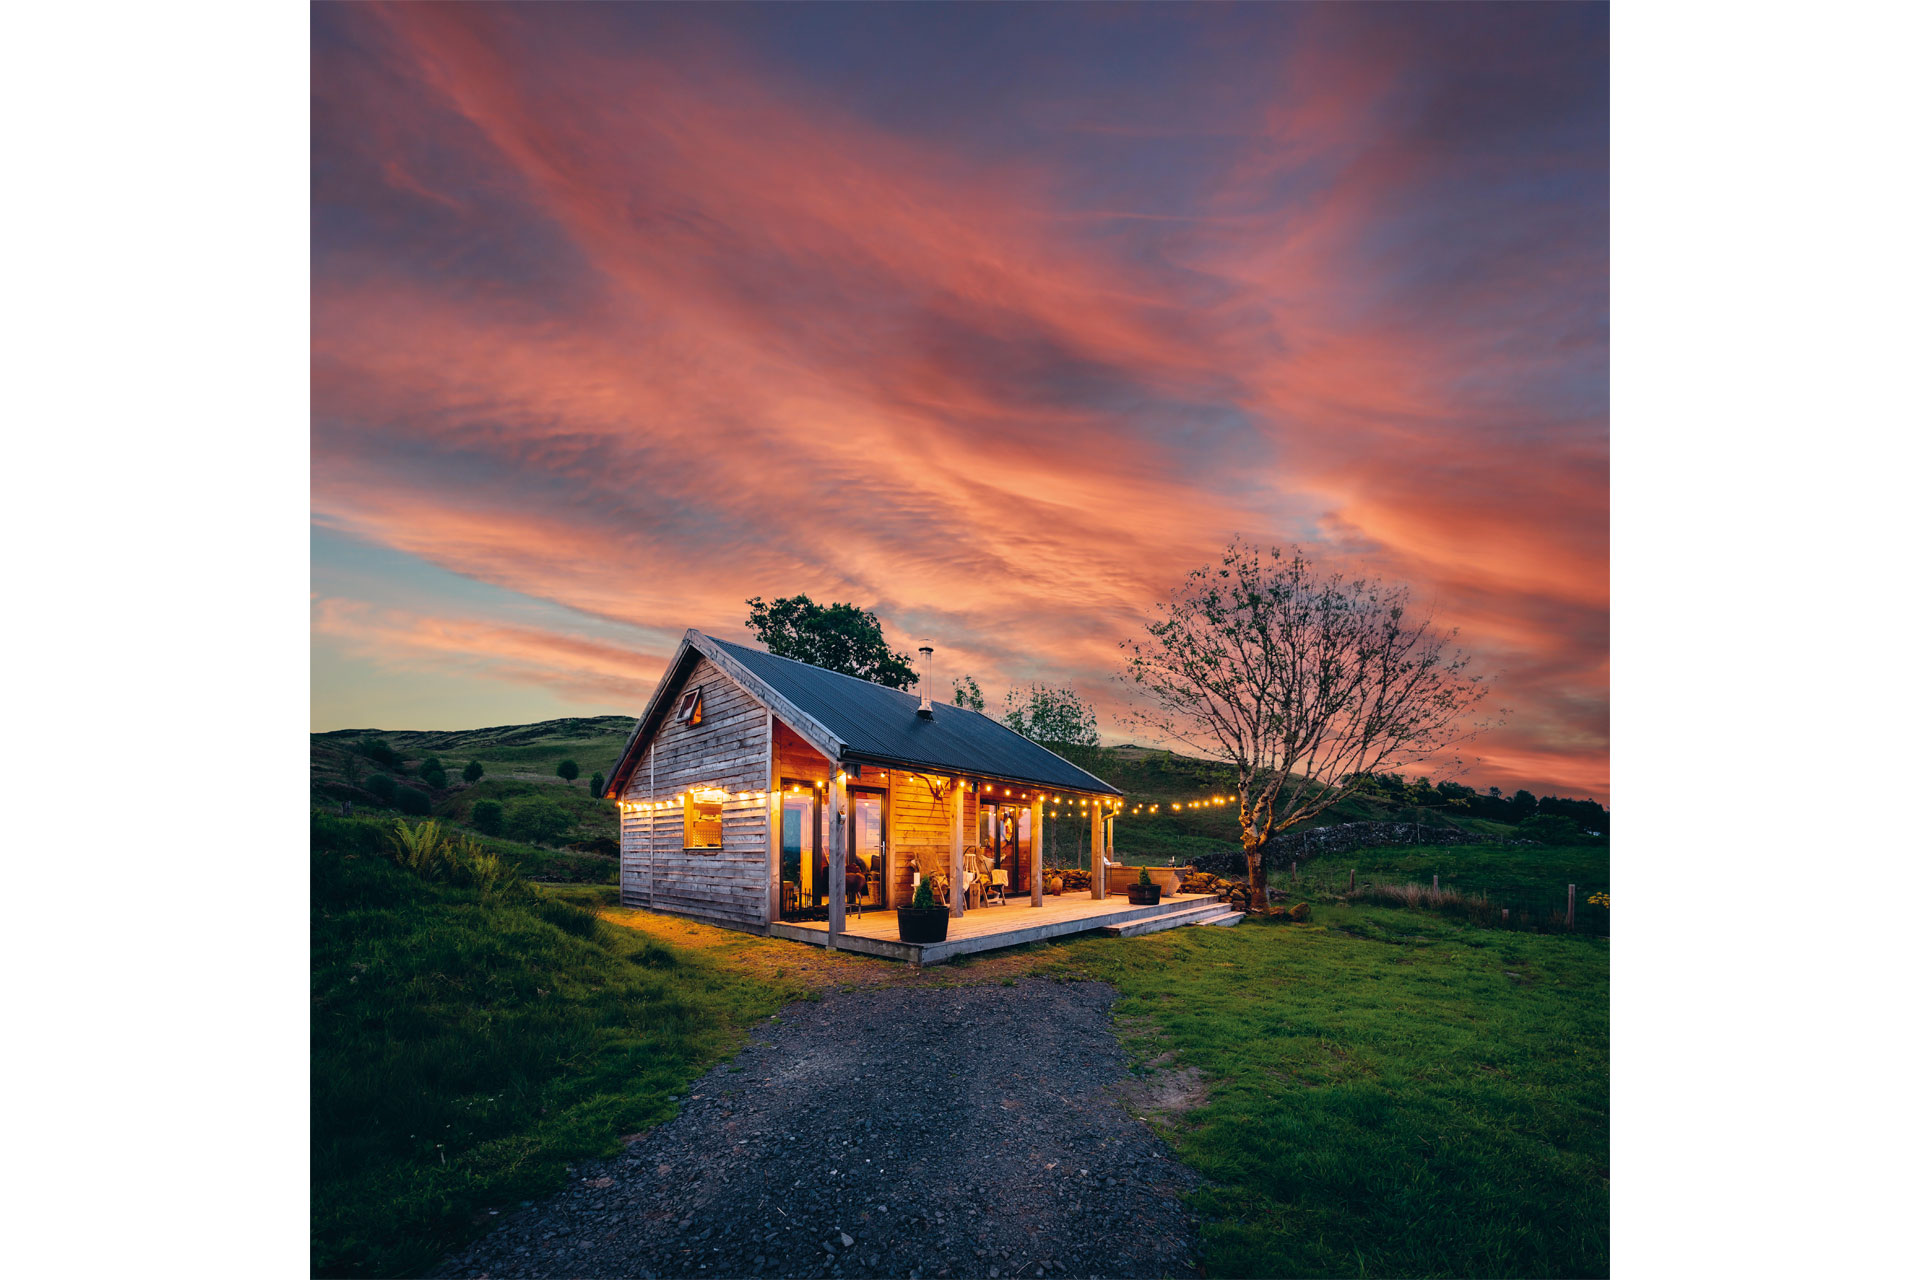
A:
(1386, 1092)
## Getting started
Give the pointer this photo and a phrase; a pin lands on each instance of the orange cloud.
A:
(642, 327)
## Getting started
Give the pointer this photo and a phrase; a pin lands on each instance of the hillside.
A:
(518, 763)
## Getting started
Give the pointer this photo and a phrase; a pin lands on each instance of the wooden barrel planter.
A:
(922, 924)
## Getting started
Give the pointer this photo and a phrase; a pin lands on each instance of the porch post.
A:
(1099, 856)
(957, 868)
(836, 857)
(1036, 812)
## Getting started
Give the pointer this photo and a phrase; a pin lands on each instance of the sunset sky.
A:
(995, 320)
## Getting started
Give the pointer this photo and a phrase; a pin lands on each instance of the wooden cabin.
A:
(757, 792)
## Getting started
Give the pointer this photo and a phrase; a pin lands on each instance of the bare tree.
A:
(1305, 683)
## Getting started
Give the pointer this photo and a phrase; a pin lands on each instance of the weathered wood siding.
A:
(921, 827)
(729, 749)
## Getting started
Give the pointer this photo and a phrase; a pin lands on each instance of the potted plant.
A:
(1144, 892)
(926, 919)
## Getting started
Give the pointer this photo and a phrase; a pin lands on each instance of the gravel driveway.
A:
(926, 1132)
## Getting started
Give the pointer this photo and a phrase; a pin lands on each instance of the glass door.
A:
(867, 857)
(803, 873)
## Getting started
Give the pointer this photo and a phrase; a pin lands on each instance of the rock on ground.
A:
(926, 1132)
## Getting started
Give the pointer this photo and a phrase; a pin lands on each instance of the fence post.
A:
(1503, 915)
(1436, 883)
(1569, 906)
(1296, 868)
(1350, 875)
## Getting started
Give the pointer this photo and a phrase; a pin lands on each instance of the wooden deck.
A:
(987, 928)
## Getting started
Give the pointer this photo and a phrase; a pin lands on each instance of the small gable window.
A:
(703, 818)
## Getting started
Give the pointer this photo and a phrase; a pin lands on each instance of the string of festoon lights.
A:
(1120, 807)
(989, 793)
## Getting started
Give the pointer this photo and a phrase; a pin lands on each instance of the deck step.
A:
(1226, 919)
(1201, 914)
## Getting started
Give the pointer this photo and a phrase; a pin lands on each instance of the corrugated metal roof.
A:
(883, 724)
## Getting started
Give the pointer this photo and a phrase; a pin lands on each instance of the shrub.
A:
(1552, 828)
(380, 752)
(420, 849)
(424, 850)
(433, 776)
(923, 895)
(382, 788)
(596, 784)
(473, 771)
(486, 816)
(536, 820)
(412, 800)
(568, 770)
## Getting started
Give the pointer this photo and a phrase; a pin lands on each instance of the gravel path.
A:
(924, 1132)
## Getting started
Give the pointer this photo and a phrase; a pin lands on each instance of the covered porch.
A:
(877, 933)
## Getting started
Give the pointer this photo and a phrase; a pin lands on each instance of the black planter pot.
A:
(922, 925)
(1144, 895)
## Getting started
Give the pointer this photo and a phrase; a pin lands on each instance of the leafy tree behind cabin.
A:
(966, 693)
(839, 637)
(1052, 717)
(486, 817)
(568, 770)
(473, 772)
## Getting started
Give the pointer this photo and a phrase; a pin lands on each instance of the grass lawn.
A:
(466, 1048)
(1386, 1092)
(1383, 1091)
